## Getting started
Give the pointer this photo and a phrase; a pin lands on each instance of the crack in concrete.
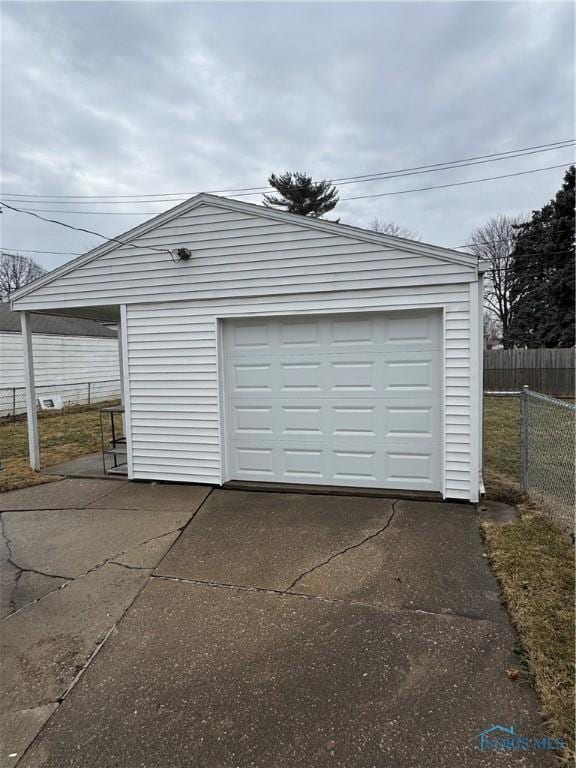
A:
(345, 550)
(114, 627)
(332, 600)
(71, 579)
(132, 567)
(20, 569)
(54, 509)
(85, 666)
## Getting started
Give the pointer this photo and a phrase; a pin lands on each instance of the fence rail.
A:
(549, 371)
(547, 452)
(13, 399)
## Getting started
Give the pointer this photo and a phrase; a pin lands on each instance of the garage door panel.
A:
(302, 420)
(299, 333)
(299, 376)
(343, 464)
(254, 460)
(343, 400)
(408, 331)
(396, 419)
(253, 378)
(252, 419)
(358, 332)
(374, 374)
(249, 335)
(409, 375)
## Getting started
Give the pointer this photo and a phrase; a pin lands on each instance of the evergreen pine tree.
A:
(297, 193)
(543, 281)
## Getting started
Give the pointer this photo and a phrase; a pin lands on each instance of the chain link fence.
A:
(546, 458)
(13, 399)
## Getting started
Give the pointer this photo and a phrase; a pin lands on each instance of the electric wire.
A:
(463, 162)
(82, 229)
(342, 199)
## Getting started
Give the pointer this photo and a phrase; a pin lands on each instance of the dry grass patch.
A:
(534, 564)
(67, 435)
(502, 449)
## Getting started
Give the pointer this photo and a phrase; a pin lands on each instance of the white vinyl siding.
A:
(173, 371)
(63, 363)
(235, 254)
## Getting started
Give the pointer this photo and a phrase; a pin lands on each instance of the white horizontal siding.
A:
(173, 375)
(237, 254)
(62, 365)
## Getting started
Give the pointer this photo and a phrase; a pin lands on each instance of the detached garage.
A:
(267, 347)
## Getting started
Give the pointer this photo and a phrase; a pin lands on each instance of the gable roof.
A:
(344, 230)
(54, 326)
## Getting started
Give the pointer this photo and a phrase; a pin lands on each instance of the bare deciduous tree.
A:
(494, 243)
(391, 228)
(15, 272)
(492, 330)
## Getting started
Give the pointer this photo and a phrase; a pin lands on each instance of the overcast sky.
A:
(112, 98)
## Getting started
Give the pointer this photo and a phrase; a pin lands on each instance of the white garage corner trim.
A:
(183, 395)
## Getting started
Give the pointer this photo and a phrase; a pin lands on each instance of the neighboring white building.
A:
(285, 349)
(73, 358)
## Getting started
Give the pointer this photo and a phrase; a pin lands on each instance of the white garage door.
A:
(351, 400)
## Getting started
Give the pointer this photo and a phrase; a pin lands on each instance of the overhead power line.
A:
(5, 249)
(342, 199)
(352, 180)
(82, 229)
(457, 183)
(250, 191)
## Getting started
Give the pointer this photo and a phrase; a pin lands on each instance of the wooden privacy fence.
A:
(550, 371)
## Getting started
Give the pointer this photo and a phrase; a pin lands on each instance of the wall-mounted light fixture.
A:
(183, 253)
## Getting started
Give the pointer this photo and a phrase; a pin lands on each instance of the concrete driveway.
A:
(155, 625)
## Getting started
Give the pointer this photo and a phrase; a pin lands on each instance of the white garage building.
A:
(267, 347)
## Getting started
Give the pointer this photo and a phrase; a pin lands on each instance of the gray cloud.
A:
(118, 98)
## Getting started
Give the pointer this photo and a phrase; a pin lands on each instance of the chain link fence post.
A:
(524, 426)
(88, 393)
(13, 403)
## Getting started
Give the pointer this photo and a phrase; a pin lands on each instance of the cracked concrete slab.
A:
(18, 729)
(210, 676)
(429, 558)
(43, 647)
(53, 624)
(267, 539)
(148, 555)
(69, 542)
(32, 586)
(154, 496)
(62, 494)
(9, 575)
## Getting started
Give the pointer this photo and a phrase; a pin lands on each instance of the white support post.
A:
(121, 361)
(33, 442)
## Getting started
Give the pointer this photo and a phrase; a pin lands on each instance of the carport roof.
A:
(54, 326)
